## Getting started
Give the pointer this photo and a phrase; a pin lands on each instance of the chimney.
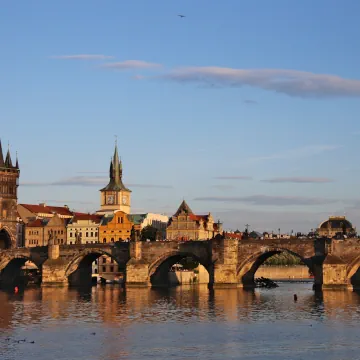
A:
(42, 204)
(66, 206)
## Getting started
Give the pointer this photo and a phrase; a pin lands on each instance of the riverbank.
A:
(298, 272)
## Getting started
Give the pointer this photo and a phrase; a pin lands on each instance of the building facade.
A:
(83, 229)
(115, 195)
(336, 225)
(29, 213)
(115, 227)
(39, 231)
(9, 182)
(184, 225)
(157, 221)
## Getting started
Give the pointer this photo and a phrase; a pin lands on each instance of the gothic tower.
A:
(9, 182)
(115, 195)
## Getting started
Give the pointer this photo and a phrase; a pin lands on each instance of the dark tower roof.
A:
(17, 162)
(184, 207)
(8, 162)
(2, 163)
(115, 174)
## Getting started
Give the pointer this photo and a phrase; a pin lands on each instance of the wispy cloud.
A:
(130, 64)
(89, 181)
(290, 82)
(83, 57)
(223, 187)
(269, 200)
(250, 102)
(233, 177)
(299, 179)
(301, 152)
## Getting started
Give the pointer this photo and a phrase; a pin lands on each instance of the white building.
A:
(157, 221)
(83, 229)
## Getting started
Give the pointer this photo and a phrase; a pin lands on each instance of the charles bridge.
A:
(334, 263)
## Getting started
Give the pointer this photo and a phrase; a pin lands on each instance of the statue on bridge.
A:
(53, 240)
(135, 234)
(77, 237)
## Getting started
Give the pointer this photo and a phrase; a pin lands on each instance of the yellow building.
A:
(185, 225)
(114, 227)
(115, 195)
(39, 231)
(335, 225)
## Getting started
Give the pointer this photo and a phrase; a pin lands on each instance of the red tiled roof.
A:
(198, 217)
(61, 210)
(233, 235)
(36, 223)
(92, 217)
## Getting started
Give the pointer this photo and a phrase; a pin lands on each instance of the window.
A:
(71, 234)
(104, 240)
(62, 232)
(87, 234)
(92, 234)
(87, 242)
(112, 260)
(95, 271)
(111, 269)
(118, 220)
(104, 268)
(112, 239)
(104, 260)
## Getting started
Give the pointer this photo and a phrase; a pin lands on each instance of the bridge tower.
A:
(115, 195)
(9, 182)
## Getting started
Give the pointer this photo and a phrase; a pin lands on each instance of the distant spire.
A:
(8, 162)
(2, 163)
(111, 171)
(17, 161)
(116, 164)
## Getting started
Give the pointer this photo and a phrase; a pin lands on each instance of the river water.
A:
(180, 323)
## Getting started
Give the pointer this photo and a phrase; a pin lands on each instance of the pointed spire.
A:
(184, 207)
(2, 163)
(17, 161)
(116, 164)
(8, 162)
(111, 171)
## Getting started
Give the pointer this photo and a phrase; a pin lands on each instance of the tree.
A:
(148, 233)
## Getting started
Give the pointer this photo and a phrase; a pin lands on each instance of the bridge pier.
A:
(137, 274)
(54, 268)
(225, 269)
(335, 274)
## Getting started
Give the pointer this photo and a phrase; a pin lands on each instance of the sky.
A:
(245, 109)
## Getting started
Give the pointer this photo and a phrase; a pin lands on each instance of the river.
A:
(186, 322)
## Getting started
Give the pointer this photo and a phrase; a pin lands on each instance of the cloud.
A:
(223, 187)
(299, 179)
(250, 102)
(89, 181)
(233, 177)
(130, 64)
(290, 82)
(305, 151)
(82, 57)
(270, 200)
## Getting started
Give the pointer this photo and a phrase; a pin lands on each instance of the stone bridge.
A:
(334, 263)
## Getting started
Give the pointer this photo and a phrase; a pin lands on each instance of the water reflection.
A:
(112, 322)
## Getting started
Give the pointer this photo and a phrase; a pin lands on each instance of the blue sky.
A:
(247, 109)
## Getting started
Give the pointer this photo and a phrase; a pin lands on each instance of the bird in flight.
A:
(182, 16)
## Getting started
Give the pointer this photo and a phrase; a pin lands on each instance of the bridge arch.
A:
(11, 270)
(79, 269)
(247, 268)
(6, 238)
(353, 273)
(159, 269)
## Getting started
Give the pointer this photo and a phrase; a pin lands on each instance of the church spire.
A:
(8, 162)
(116, 164)
(2, 163)
(17, 161)
(111, 170)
